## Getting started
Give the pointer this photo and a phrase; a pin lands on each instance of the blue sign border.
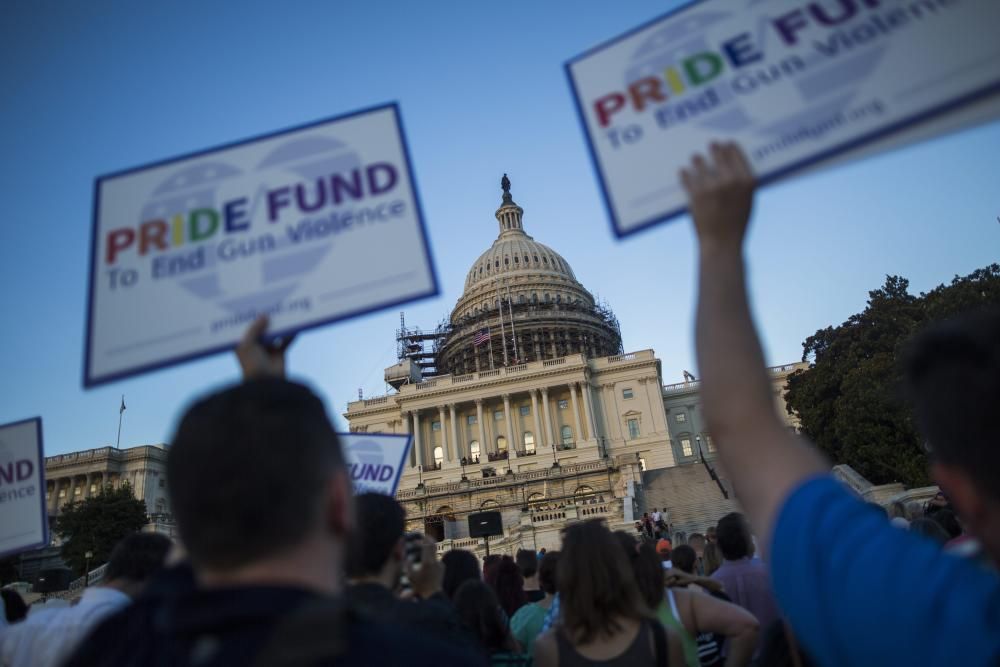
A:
(402, 460)
(41, 489)
(90, 382)
(762, 179)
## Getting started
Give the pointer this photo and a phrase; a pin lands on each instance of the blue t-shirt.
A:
(859, 591)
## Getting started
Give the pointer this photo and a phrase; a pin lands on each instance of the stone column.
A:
(650, 385)
(611, 402)
(576, 411)
(539, 442)
(511, 442)
(454, 434)
(54, 500)
(483, 445)
(416, 438)
(588, 408)
(446, 453)
(549, 440)
(408, 428)
(90, 482)
(72, 488)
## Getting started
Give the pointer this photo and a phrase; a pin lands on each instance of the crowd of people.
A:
(282, 565)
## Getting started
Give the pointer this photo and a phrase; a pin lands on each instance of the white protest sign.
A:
(310, 226)
(375, 460)
(795, 82)
(24, 520)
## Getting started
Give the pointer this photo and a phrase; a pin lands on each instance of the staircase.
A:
(690, 495)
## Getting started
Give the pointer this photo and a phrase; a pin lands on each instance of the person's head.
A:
(255, 475)
(697, 542)
(506, 581)
(947, 520)
(953, 368)
(134, 561)
(683, 558)
(459, 566)
(929, 528)
(478, 610)
(710, 534)
(15, 608)
(596, 583)
(547, 573)
(646, 568)
(711, 558)
(663, 548)
(376, 548)
(527, 561)
(733, 536)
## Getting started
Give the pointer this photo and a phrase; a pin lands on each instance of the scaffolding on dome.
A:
(419, 346)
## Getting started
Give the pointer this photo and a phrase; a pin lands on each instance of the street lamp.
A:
(86, 575)
(420, 477)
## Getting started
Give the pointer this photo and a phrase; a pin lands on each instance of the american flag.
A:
(482, 336)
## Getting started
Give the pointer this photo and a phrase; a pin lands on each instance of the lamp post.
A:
(464, 463)
(710, 469)
(420, 477)
(86, 575)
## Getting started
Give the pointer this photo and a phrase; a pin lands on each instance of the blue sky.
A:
(89, 88)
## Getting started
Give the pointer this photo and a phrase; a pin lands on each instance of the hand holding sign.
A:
(258, 358)
(720, 192)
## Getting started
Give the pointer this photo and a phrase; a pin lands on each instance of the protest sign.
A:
(375, 460)
(24, 520)
(309, 225)
(796, 83)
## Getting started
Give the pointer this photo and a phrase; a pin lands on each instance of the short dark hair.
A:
(929, 528)
(246, 471)
(953, 368)
(683, 558)
(547, 571)
(733, 536)
(15, 608)
(459, 566)
(527, 560)
(137, 557)
(379, 525)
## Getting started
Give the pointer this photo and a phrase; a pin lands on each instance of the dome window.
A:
(545, 259)
(517, 260)
(525, 259)
(498, 263)
(506, 261)
(536, 259)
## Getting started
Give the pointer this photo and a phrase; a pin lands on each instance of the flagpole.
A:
(121, 413)
(490, 334)
(503, 329)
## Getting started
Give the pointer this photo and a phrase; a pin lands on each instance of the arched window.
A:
(521, 298)
(501, 443)
(536, 498)
(529, 442)
(566, 435)
(438, 456)
(489, 504)
(474, 450)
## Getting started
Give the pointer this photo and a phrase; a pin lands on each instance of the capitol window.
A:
(633, 429)
(563, 404)
(681, 418)
(627, 392)
(471, 420)
(566, 435)
(501, 443)
(438, 456)
(474, 450)
(435, 426)
(529, 442)
(498, 415)
(686, 447)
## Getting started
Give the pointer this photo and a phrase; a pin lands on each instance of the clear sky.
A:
(89, 88)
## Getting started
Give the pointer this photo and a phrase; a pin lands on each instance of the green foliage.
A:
(850, 398)
(97, 524)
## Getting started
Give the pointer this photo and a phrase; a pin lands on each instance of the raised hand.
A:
(259, 359)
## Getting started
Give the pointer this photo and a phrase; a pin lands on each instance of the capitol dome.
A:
(546, 312)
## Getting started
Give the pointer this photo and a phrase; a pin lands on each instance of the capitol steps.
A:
(689, 494)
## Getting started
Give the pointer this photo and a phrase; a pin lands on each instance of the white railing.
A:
(96, 576)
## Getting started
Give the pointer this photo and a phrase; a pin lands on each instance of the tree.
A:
(97, 524)
(850, 400)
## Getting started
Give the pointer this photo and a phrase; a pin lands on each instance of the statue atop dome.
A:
(505, 184)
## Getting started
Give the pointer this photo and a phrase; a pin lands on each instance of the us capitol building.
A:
(523, 401)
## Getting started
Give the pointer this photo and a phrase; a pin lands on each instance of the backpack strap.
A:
(659, 644)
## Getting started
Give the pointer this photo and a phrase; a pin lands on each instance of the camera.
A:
(414, 545)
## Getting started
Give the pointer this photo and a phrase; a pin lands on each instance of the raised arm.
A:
(762, 458)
